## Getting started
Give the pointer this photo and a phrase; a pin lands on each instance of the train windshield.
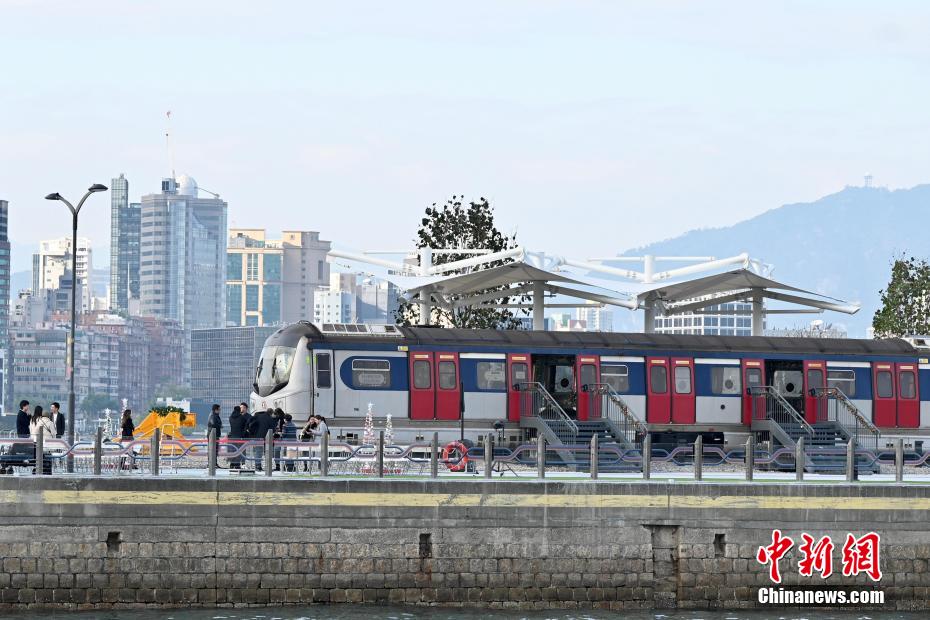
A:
(274, 369)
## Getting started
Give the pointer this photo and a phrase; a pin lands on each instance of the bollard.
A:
(699, 458)
(851, 460)
(98, 451)
(269, 453)
(324, 455)
(488, 455)
(40, 452)
(647, 456)
(540, 456)
(155, 449)
(211, 453)
(799, 459)
(434, 457)
(750, 456)
(594, 456)
(381, 454)
(899, 460)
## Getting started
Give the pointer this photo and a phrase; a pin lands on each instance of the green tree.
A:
(905, 304)
(457, 225)
(95, 403)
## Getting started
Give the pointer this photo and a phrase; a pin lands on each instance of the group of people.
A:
(28, 424)
(244, 425)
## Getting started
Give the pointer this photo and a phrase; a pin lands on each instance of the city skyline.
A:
(554, 107)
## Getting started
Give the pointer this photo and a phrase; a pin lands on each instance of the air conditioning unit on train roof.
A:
(360, 329)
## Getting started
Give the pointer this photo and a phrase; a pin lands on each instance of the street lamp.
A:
(96, 187)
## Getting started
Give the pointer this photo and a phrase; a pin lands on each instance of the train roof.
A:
(517, 339)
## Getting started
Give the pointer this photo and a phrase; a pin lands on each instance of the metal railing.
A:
(834, 406)
(535, 401)
(616, 410)
(768, 404)
(267, 457)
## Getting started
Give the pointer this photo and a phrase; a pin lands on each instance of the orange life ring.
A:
(447, 452)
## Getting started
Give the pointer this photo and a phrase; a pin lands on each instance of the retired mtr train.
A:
(677, 385)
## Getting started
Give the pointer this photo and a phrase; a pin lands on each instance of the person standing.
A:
(58, 418)
(289, 433)
(127, 429)
(215, 423)
(238, 430)
(39, 423)
(22, 419)
(261, 423)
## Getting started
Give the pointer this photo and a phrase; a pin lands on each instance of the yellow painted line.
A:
(434, 500)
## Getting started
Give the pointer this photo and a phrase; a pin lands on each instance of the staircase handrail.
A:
(851, 409)
(559, 414)
(605, 389)
(771, 392)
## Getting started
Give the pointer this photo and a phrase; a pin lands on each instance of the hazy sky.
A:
(593, 127)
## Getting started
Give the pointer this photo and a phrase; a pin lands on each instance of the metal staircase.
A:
(540, 411)
(838, 422)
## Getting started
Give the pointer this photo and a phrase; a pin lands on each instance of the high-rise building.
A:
(125, 230)
(51, 267)
(223, 367)
(596, 318)
(333, 306)
(376, 301)
(4, 273)
(727, 319)
(182, 256)
(271, 281)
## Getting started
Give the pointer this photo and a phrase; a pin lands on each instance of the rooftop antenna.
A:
(168, 142)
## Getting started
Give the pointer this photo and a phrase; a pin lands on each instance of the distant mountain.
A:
(841, 245)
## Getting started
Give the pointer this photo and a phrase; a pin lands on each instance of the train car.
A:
(462, 380)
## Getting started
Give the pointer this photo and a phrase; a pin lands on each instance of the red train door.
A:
(658, 398)
(753, 376)
(884, 404)
(908, 396)
(422, 387)
(683, 400)
(448, 386)
(815, 377)
(518, 371)
(587, 371)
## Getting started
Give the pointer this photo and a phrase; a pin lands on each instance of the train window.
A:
(421, 375)
(617, 377)
(908, 386)
(884, 384)
(682, 379)
(814, 378)
(491, 376)
(788, 383)
(588, 376)
(658, 379)
(725, 379)
(843, 380)
(371, 373)
(447, 376)
(520, 372)
(324, 372)
(753, 377)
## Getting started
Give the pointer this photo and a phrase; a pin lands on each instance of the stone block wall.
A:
(112, 543)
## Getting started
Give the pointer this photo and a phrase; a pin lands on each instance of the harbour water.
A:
(364, 612)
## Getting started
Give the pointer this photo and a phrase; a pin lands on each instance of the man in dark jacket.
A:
(262, 422)
(238, 429)
(22, 419)
(59, 419)
(215, 423)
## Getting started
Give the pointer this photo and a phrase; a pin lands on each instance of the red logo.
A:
(860, 555)
(817, 556)
(774, 552)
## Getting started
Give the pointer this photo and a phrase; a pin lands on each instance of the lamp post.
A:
(96, 187)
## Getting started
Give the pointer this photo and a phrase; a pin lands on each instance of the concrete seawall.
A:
(115, 543)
